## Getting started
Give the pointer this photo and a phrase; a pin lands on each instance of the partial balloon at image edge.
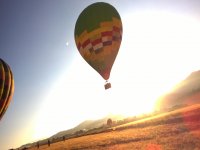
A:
(6, 87)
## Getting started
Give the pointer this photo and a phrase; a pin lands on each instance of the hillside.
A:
(84, 126)
(186, 92)
(87, 125)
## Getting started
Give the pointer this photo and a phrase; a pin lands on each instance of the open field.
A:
(178, 129)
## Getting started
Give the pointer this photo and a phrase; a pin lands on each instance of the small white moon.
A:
(67, 43)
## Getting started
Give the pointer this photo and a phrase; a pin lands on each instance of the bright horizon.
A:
(160, 47)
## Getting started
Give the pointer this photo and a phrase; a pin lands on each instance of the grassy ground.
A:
(179, 129)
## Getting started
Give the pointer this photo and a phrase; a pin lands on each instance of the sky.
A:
(55, 89)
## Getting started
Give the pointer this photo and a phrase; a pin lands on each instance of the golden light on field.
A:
(154, 55)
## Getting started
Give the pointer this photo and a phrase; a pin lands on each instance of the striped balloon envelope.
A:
(98, 35)
(6, 87)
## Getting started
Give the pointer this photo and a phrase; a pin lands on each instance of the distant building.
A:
(38, 145)
(49, 142)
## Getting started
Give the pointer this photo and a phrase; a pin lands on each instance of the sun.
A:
(153, 57)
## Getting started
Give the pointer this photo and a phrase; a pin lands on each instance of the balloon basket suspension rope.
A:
(107, 85)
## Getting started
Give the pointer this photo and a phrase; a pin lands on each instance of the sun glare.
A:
(153, 57)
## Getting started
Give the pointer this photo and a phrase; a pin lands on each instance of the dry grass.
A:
(179, 129)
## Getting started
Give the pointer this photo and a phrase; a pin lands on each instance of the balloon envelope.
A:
(6, 87)
(98, 35)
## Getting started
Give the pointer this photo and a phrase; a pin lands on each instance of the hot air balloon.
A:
(6, 87)
(98, 35)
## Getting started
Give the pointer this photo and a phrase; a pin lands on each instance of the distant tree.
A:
(109, 122)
